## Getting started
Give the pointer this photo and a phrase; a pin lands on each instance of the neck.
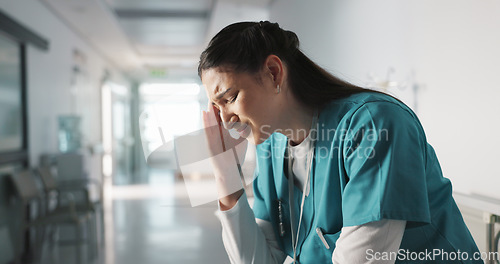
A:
(297, 122)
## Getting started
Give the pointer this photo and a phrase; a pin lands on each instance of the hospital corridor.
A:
(108, 110)
(150, 222)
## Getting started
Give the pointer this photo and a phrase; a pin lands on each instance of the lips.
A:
(244, 131)
(243, 127)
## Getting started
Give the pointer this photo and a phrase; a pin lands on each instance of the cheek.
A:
(254, 107)
(246, 106)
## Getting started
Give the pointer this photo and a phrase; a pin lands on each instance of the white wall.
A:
(450, 46)
(50, 81)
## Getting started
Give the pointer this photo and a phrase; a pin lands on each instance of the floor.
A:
(149, 223)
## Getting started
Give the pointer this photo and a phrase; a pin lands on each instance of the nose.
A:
(228, 118)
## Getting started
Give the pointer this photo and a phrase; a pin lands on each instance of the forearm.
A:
(357, 242)
(228, 202)
(245, 240)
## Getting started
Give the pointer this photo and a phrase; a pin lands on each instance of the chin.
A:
(252, 139)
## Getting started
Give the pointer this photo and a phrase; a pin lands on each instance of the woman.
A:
(344, 174)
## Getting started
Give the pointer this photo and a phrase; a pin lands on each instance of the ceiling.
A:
(154, 40)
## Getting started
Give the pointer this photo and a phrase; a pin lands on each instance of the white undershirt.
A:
(251, 240)
(299, 162)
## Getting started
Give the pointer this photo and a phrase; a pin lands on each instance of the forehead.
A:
(217, 81)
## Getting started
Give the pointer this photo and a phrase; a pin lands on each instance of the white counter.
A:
(485, 204)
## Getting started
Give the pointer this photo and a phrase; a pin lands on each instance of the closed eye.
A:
(215, 105)
(232, 99)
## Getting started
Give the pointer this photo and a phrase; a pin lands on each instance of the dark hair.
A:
(244, 47)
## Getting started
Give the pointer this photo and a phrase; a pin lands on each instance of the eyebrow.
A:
(220, 95)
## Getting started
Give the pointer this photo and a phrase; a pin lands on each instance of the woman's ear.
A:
(274, 66)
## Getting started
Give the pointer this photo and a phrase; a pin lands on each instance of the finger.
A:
(204, 118)
(205, 123)
(210, 128)
(215, 124)
(218, 116)
(216, 113)
(212, 120)
(209, 106)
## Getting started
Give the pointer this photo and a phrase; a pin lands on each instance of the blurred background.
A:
(85, 175)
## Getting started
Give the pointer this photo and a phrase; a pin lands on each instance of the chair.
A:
(29, 195)
(66, 171)
(57, 188)
(27, 189)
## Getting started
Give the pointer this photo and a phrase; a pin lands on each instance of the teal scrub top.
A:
(372, 162)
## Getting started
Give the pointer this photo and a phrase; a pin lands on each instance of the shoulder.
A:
(367, 106)
(356, 101)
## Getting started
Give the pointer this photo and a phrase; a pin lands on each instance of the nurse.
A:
(344, 174)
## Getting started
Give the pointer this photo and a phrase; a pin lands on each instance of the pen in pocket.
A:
(320, 234)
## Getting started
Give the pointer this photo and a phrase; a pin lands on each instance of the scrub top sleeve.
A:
(384, 161)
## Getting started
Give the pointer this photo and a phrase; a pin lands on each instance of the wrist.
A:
(228, 202)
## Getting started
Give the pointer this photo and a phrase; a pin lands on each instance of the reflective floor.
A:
(153, 223)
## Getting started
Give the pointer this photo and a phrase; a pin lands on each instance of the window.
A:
(11, 103)
(170, 109)
(13, 110)
(13, 141)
